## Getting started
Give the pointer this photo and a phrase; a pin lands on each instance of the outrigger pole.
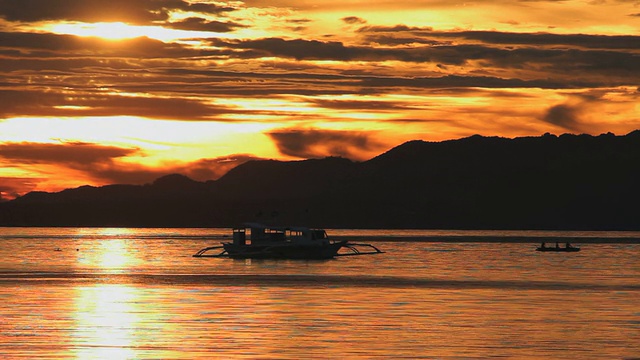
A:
(355, 251)
(201, 252)
(351, 246)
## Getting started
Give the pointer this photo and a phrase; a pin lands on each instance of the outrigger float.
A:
(256, 241)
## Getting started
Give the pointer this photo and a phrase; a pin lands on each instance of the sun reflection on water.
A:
(106, 318)
(113, 251)
(113, 255)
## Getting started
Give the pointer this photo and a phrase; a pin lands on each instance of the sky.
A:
(96, 92)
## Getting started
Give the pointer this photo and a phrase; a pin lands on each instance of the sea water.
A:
(97, 293)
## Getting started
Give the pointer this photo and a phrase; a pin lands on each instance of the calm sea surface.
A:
(95, 293)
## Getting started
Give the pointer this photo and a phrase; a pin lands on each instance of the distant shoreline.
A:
(491, 239)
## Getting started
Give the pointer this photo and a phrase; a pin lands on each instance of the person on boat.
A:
(557, 245)
(568, 246)
(543, 245)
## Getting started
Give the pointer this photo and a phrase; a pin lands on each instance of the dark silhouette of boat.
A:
(567, 248)
(265, 242)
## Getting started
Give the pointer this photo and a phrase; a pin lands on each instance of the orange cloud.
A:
(100, 164)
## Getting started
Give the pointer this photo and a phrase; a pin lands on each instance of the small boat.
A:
(256, 241)
(567, 248)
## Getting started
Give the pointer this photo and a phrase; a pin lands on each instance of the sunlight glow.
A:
(182, 139)
(112, 252)
(114, 256)
(269, 105)
(106, 318)
(120, 31)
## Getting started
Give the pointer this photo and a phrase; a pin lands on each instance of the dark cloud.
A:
(48, 103)
(50, 45)
(396, 28)
(134, 11)
(299, 21)
(98, 162)
(130, 11)
(361, 105)
(43, 68)
(11, 188)
(395, 40)
(315, 143)
(150, 66)
(298, 49)
(200, 24)
(58, 75)
(308, 83)
(353, 20)
(608, 66)
(76, 154)
(200, 170)
(567, 116)
(203, 8)
(546, 39)
(212, 169)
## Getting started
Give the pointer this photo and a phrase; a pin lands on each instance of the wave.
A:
(278, 280)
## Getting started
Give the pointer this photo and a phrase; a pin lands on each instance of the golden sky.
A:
(124, 91)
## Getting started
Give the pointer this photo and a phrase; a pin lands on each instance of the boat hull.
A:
(283, 251)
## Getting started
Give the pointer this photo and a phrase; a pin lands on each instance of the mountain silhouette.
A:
(571, 182)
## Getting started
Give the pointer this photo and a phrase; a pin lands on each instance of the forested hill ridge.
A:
(568, 182)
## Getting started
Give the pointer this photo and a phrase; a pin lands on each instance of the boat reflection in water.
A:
(266, 242)
(567, 248)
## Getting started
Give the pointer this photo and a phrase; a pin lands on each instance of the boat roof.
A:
(253, 225)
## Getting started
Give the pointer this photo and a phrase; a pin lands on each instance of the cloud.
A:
(200, 24)
(211, 169)
(12, 187)
(570, 115)
(395, 28)
(353, 20)
(585, 41)
(200, 170)
(299, 21)
(298, 49)
(53, 45)
(395, 40)
(95, 103)
(315, 143)
(130, 11)
(134, 11)
(101, 165)
(74, 153)
(156, 69)
(563, 115)
(364, 105)
(527, 60)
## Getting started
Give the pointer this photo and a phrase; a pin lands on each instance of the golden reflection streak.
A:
(112, 252)
(106, 318)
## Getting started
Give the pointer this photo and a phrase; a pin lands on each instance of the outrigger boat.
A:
(256, 241)
(568, 248)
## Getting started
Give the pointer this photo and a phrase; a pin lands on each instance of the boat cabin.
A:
(256, 234)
